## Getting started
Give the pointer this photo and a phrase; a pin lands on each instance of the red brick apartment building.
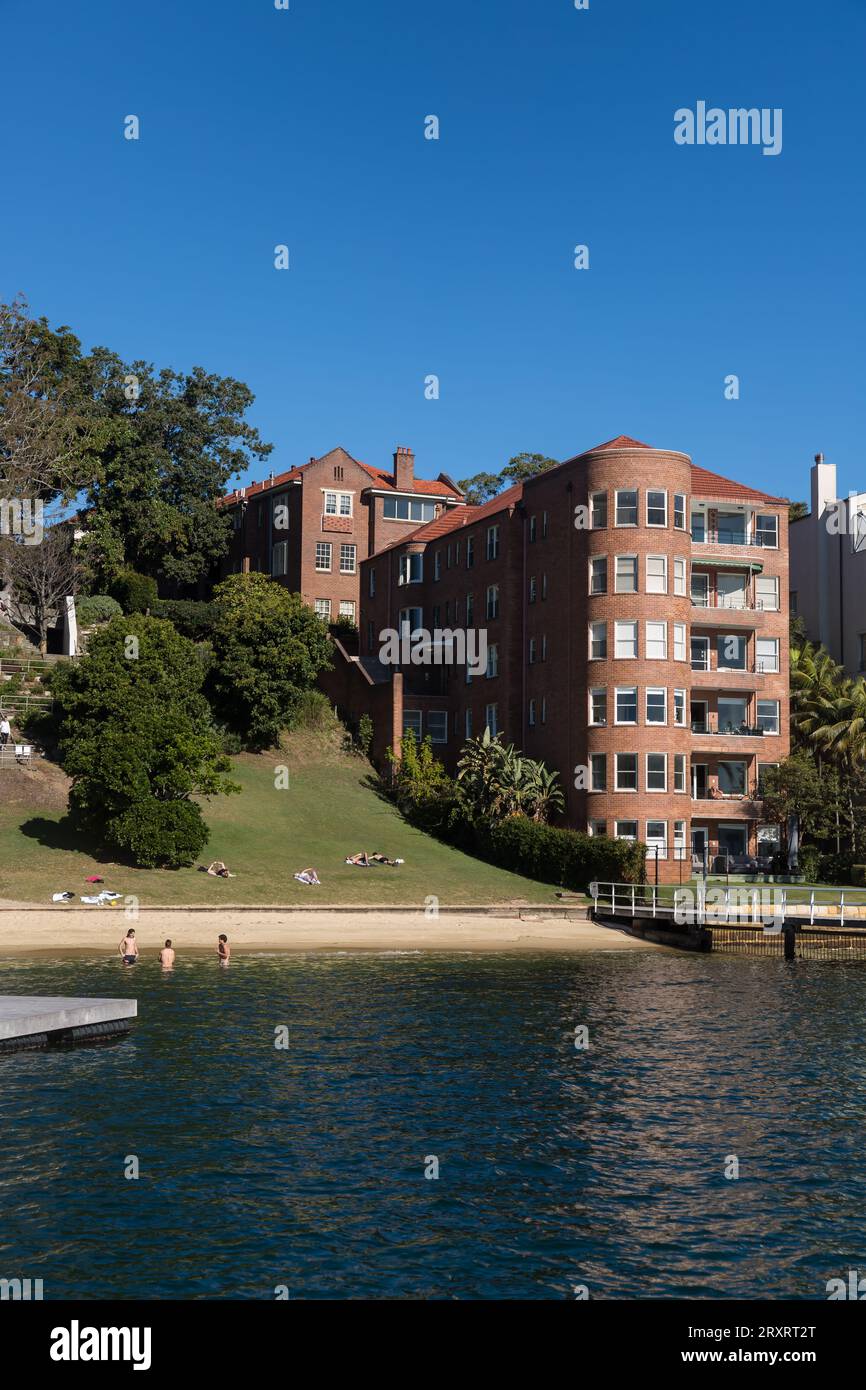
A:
(311, 527)
(635, 612)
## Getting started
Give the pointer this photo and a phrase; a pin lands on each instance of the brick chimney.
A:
(404, 469)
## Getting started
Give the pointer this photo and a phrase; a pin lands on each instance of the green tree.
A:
(797, 510)
(522, 467)
(269, 647)
(480, 488)
(495, 780)
(137, 740)
(796, 787)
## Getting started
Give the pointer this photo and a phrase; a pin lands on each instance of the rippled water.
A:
(305, 1167)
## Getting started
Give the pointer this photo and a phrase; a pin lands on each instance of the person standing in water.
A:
(224, 950)
(128, 948)
(166, 955)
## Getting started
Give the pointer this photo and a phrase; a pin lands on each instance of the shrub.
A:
(835, 868)
(858, 875)
(313, 711)
(808, 860)
(420, 785)
(569, 858)
(99, 608)
(168, 834)
(192, 618)
(135, 592)
(364, 735)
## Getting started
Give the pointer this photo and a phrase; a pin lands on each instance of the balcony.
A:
(729, 731)
(724, 613)
(745, 677)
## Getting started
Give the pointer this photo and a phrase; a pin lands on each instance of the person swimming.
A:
(166, 955)
(128, 948)
(224, 950)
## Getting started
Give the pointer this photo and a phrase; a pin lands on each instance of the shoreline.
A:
(76, 930)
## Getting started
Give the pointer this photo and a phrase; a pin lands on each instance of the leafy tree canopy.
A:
(268, 647)
(483, 486)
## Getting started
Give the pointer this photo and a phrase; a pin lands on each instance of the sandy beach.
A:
(24, 929)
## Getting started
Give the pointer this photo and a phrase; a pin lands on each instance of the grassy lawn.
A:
(265, 836)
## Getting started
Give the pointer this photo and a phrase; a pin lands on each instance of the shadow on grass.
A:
(63, 834)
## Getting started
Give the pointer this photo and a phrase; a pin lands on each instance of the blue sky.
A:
(411, 257)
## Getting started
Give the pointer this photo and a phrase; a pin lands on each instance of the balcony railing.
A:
(761, 540)
(727, 601)
(749, 668)
(729, 730)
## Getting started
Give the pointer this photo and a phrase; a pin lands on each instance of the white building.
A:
(828, 569)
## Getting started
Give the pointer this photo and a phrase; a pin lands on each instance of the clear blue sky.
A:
(411, 257)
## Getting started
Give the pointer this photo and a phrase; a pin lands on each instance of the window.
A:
(492, 660)
(763, 769)
(532, 588)
(531, 529)
(732, 778)
(544, 526)
(767, 592)
(656, 641)
(544, 647)
(531, 714)
(437, 725)
(448, 559)
(656, 574)
(792, 602)
(699, 527)
(656, 705)
(372, 582)
(731, 590)
(625, 772)
(700, 653)
(626, 705)
(597, 827)
(626, 829)
(544, 709)
(679, 839)
(767, 653)
(323, 609)
(731, 713)
(470, 609)
(598, 574)
(680, 708)
(679, 772)
(338, 504)
(598, 641)
(731, 528)
(237, 518)
(347, 608)
(769, 840)
(598, 510)
(404, 509)
(492, 542)
(731, 652)
(412, 720)
(626, 574)
(323, 556)
(680, 511)
(543, 587)
(371, 636)
(598, 706)
(491, 719)
(437, 614)
(532, 651)
(767, 530)
(656, 772)
(411, 567)
(625, 637)
(411, 619)
(656, 839)
(598, 771)
(656, 509)
(700, 590)
(768, 716)
(457, 554)
(348, 554)
(470, 552)
(437, 565)
(279, 557)
(493, 601)
(626, 507)
(679, 641)
(467, 723)
(680, 577)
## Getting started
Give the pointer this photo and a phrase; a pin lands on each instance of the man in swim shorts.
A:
(129, 948)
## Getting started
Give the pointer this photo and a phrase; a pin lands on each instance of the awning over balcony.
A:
(722, 562)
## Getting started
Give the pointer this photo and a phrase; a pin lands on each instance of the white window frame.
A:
(591, 720)
(620, 635)
(648, 640)
(656, 492)
(761, 661)
(598, 560)
(683, 511)
(322, 568)
(594, 524)
(344, 502)
(413, 719)
(620, 835)
(769, 733)
(655, 790)
(680, 772)
(492, 661)
(593, 758)
(625, 690)
(353, 558)
(772, 579)
(623, 491)
(653, 579)
(680, 642)
(325, 605)
(433, 714)
(492, 550)
(491, 721)
(656, 842)
(617, 785)
(594, 640)
(347, 608)
(656, 690)
(680, 577)
(633, 561)
(680, 723)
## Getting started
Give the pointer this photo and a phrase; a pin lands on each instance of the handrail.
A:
(717, 900)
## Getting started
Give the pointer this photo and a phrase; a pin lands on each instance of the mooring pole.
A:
(790, 935)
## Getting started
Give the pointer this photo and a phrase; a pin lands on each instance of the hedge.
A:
(96, 608)
(135, 593)
(193, 619)
(569, 858)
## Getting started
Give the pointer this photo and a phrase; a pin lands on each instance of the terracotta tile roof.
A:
(707, 484)
(458, 517)
(622, 441)
(424, 487)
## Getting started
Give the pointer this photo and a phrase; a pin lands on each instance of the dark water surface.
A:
(305, 1167)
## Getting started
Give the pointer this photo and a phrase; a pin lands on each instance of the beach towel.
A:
(94, 878)
(62, 897)
(311, 879)
(97, 901)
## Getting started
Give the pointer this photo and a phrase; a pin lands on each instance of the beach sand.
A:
(24, 928)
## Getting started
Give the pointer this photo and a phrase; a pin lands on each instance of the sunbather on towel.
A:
(383, 859)
(218, 870)
(361, 860)
(308, 876)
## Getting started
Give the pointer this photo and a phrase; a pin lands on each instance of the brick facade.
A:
(530, 590)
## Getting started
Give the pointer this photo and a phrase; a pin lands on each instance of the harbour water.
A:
(301, 1168)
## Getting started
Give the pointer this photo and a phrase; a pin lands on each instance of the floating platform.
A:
(51, 1020)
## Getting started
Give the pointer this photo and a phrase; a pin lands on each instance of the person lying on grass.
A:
(219, 870)
(365, 861)
(308, 876)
